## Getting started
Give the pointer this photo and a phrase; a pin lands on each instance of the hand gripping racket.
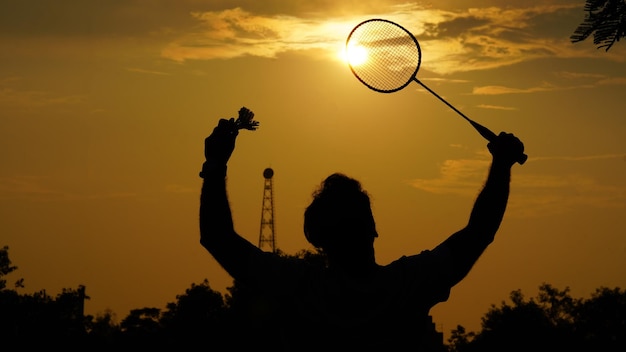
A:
(393, 59)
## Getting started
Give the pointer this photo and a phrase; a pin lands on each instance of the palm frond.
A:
(605, 21)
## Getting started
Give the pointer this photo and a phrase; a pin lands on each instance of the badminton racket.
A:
(385, 57)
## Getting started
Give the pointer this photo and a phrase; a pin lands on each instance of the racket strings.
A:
(391, 55)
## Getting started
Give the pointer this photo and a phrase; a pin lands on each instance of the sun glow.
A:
(355, 55)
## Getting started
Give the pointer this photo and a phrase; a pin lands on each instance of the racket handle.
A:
(490, 136)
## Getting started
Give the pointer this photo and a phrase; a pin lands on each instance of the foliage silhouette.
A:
(6, 267)
(102, 330)
(551, 321)
(605, 21)
(196, 317)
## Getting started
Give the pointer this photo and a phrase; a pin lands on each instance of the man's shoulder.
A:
(425, 257)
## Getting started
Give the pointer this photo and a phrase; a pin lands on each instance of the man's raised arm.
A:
(468, 244)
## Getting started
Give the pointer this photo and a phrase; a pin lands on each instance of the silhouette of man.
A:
(352, 302)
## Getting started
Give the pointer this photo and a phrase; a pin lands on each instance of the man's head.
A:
(340, 216)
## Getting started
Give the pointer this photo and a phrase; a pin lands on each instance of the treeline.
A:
(203, 317)
(200, 317)
(551, 321)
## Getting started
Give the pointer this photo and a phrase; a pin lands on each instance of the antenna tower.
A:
(266, 235)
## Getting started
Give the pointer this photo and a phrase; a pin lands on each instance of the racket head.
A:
(393, 55)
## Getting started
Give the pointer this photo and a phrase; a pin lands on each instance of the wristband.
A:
(212, 168)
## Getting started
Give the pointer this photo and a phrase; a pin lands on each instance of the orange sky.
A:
(104, 108)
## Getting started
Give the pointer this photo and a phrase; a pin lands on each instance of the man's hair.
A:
(340, 212)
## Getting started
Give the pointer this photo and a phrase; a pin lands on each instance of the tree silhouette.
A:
(102, 330)
(551, 321)
(460, 340)
(6, 268)
(601, 320)
(605, 20)
(141, 328)
(33, 320)
(242, 319)
(197, 317)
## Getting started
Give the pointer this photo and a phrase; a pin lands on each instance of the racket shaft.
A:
(484, 131)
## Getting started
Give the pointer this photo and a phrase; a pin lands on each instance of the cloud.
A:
(31, 99)
(573, 81)
(150, 72)
(93, 19)
(174, 188)
(579, 75)
(27, 187)
(498, 90)
(35, 188)
(460, 40)
(582, 158)
(545, 195)
(23, 99)
(453, 39)
(457, 177)
(533, 194)
(235, 33)
(495, 107)
(613, 81)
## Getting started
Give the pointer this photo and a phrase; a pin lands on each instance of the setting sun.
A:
(355, 55)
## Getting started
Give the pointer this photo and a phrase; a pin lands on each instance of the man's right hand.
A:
(506, 148)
